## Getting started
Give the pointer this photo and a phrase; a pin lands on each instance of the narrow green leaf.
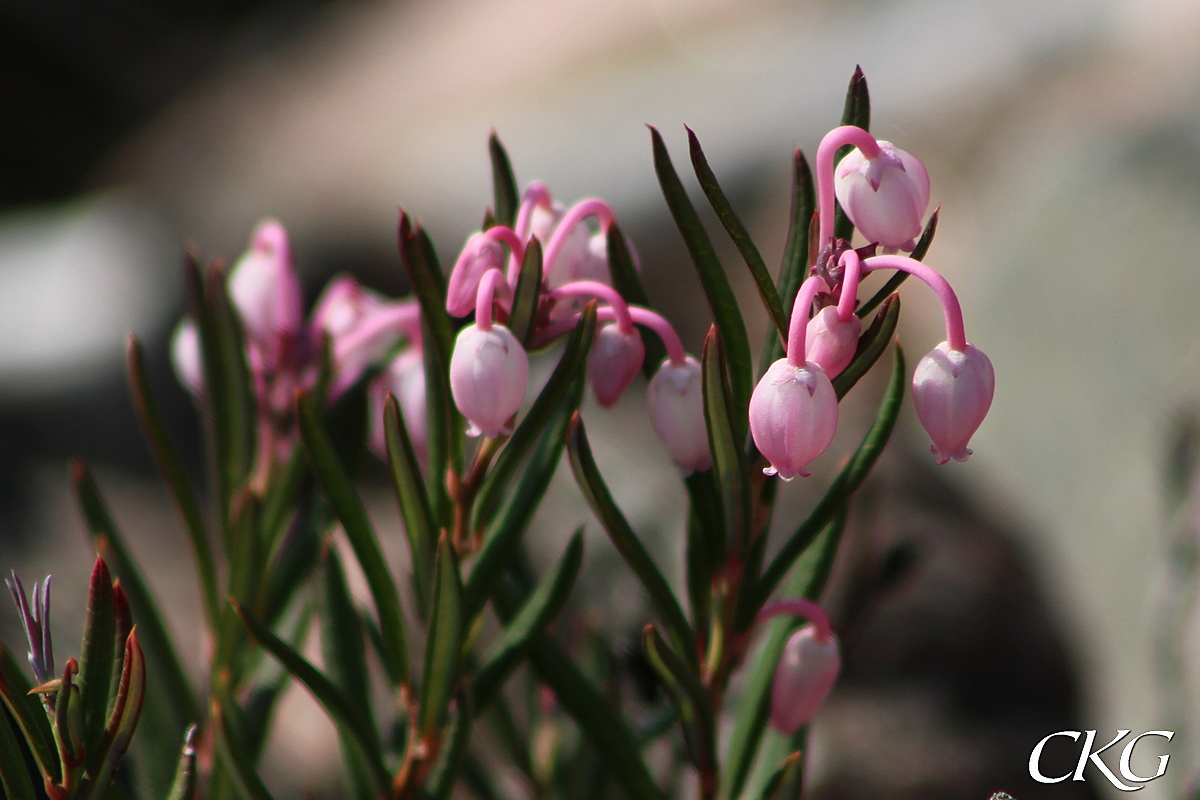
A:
(893, 283)
(343, 646)
(444, 645)
(108, 541)
(627, 543)
(503, 536)
(454, 756)
(794, 267)
(233, 753)
(527, 293)
(726, 433)
(97, 655)
(171, 467)
(123, 618)
(504, 183)
(348, 508)
(871, 345)
(184, 785)
(446, 425)
(738, 233)
(259, 706)
(339, 708)
(838, 493)
(298, 550)
(628, 284)
(788, 772)
(548, 403)
(415, 510)
(28, 713)
(857, 111)
(123, 720)
(538, 610)
(14, 778)
(691, 698)
(726, 315)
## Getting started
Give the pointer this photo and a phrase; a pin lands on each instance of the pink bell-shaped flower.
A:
(405, 379)
(266, 291)
(675, 400)
(885, 197)
(615, 361)
(793, 416)
(952, 392)
(187, 358)
(480, 254)
(489, 371)
(830, 341)
(806, 672)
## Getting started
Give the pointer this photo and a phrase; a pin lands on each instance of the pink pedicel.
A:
(808, 667)
(675, 401)
(794, 409)
(885, 197)
(187, 358)
(482, 252)
(615, 361)
(266, 291)
(831, 341)
(952, 392)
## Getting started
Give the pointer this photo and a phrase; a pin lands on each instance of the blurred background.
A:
(1063, 141)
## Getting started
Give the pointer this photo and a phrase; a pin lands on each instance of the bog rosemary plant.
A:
(436, 385)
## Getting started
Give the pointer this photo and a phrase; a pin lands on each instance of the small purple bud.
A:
(489, 371)
(885, 197)
(266, 290)
(793, 417)
(806, 672)
(675, 400)
(831, 342)
(187, 358)
(479, 254)
(616, 359)
(952, 392)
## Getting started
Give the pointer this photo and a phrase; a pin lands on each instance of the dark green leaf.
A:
(596, 492)
(527, 293)
(549, 403)
(838, 493)
(184, 785)
(445, 642)
(788, 772)
(28, 713)
(339, 708)
(871, 345)
(98, 655)
(738, 233)
(343, 647)
(164, 660)
(794, 268)
(414, 502)
(173, 473)
(124, 718)
(857, 111)
(14, 778)
(705, 543)
(504, 184)
(348, 508)
(726, 433)
(628, 284)
(691, 698)
(721, 300)
(454, 756)
(234, 754)
(893, 283)
(536, 613)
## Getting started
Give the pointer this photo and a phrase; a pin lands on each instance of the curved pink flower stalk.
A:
(794, 409)
(617, 351)
(536, 196)
(807, 669)
(826, 150)
(489, 369)
(832, 333)
(574, 216)
(481, 253)
(954, 383)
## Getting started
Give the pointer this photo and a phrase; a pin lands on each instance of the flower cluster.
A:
(794, 409)
(489, 369)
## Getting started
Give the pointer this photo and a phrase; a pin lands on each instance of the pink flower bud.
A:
(404, 378)
(187, 358)
(952, 392)
(341, 306)
(830, 342)
(488, 374)
(885, 197)
(479, 254)
(806, 672)
(675, 400)
(615, 361)
(793, 416)
(266, 291)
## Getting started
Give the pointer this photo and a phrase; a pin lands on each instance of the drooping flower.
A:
(405, 379)
(489, 371)
(804, 676)
(675, 400)
(615, 361)
(266, 291)
(832, 341)
(793, 416)
(885, 196)
(187, 358)
(952, 392)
